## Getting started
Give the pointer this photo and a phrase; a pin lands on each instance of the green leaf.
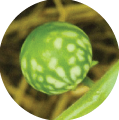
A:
(92, 99)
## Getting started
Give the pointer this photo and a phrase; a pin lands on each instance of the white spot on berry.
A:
(86, 67)
(53, 63)
(60, 71)
(39, 68)
(51, 79)
(36, 66)
(71, 47)
(80, 51)
(86, 41)
(38, 85)
(40, 78)
(49, 87)
(75, 72)
(59, 84)
(90, 49)
(46, 55)
(71, 60)
(79, 81)
(33, 64)
(58, 43)
(81, 43)
(70, 34)
(55, 82)
(80, 56)
(34, 75)
(23, 63)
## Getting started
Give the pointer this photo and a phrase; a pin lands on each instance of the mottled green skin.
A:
(56, 57)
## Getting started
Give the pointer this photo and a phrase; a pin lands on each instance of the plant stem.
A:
(94, 63)
(88, 82)
(92, 99)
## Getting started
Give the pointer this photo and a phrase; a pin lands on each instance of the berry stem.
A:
(94, 63)
(88, 82)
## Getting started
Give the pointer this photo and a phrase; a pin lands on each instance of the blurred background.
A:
(104, 44)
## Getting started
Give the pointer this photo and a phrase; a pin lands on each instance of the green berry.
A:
(56, 57)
